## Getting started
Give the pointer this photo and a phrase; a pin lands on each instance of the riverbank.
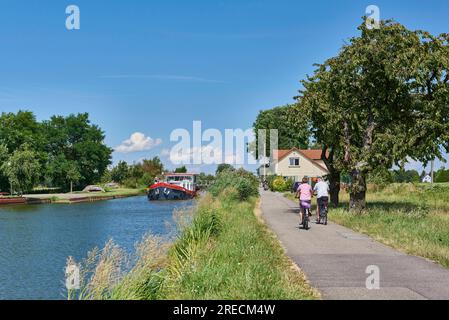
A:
(236, 258)
(76, 197)
(223, 251)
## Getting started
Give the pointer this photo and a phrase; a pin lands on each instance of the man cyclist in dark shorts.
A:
(321, 190)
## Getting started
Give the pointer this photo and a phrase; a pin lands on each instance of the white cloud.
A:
(165, 153)
(208, 155)
(138, 142)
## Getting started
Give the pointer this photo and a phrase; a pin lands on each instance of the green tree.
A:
(182, 169)
(154, 167)
(63, 173)
(21, 128)
(73, 175)
(120, 172)
(136, 173)
(291, 134)
(204, 180)
(22, 169)
(75, 138)
(405, 176)
(315, 108)
(224, 167)
(442, 175)
(374, 96)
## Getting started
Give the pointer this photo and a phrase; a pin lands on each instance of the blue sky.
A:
(154, 66)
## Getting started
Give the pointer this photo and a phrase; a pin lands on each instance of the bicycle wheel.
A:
(306, 220)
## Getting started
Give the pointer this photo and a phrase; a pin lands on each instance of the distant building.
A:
(427, 179)
(295, 164)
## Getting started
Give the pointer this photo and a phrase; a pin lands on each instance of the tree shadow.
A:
(390, 206)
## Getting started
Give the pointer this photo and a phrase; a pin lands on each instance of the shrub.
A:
(279, 184)
(241, 180)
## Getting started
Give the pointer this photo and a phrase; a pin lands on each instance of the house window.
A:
(294, 162)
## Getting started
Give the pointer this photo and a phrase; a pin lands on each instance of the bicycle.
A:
(324, 211)
(305, 207)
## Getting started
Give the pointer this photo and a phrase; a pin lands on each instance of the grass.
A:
(223, 252)
(122, 192)
(229, 254)
(411, 218)
(65, 198)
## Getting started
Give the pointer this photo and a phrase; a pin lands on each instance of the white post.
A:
(432, 170)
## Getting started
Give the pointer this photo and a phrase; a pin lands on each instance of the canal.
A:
(35, 241)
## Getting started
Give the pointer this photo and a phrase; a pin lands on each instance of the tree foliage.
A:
(383, 99)
(22, 169)
(182, 169)
(68, 149)
(293, 129)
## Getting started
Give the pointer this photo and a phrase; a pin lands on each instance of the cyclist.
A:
(321, 190)
(305, 194)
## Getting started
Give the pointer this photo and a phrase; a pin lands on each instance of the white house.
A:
(295, 164)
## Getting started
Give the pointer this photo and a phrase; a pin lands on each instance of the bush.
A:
(442, 176)
(244, 182)
(279, 184)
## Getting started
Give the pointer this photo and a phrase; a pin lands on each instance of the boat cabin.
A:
(186, 180)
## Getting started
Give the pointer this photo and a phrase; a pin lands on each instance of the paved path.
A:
(335, 259)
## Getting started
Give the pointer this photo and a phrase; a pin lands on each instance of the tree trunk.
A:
(71, 187)
(334, 176)
(357, 202)
(334, 186)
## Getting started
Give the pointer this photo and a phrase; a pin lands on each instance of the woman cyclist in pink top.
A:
(305, 194)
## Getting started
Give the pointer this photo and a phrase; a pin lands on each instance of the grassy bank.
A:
(223, 252)
(408, 217)
(122, 192)
(228, 254)
(413, 219)
(86, 196)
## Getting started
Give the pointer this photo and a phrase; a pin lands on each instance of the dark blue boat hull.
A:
(168, 194)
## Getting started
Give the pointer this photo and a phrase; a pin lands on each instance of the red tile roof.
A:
(314, 154)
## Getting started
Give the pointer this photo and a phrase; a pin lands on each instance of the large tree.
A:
(19, 128)
(63, 173)
(291, 134)
(153, 167)
(315, 110)
(120, 172)
(22, 169)
(381, 100)
(75, 139)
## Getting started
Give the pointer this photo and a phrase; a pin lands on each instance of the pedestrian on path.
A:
(305, 194)
(321, 190)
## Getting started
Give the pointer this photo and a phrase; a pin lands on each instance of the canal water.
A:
(35, 241)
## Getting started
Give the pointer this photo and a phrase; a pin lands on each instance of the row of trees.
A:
(59, 152)
(442, 175)
(144, 173)
(384, 99)
(137, 174)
